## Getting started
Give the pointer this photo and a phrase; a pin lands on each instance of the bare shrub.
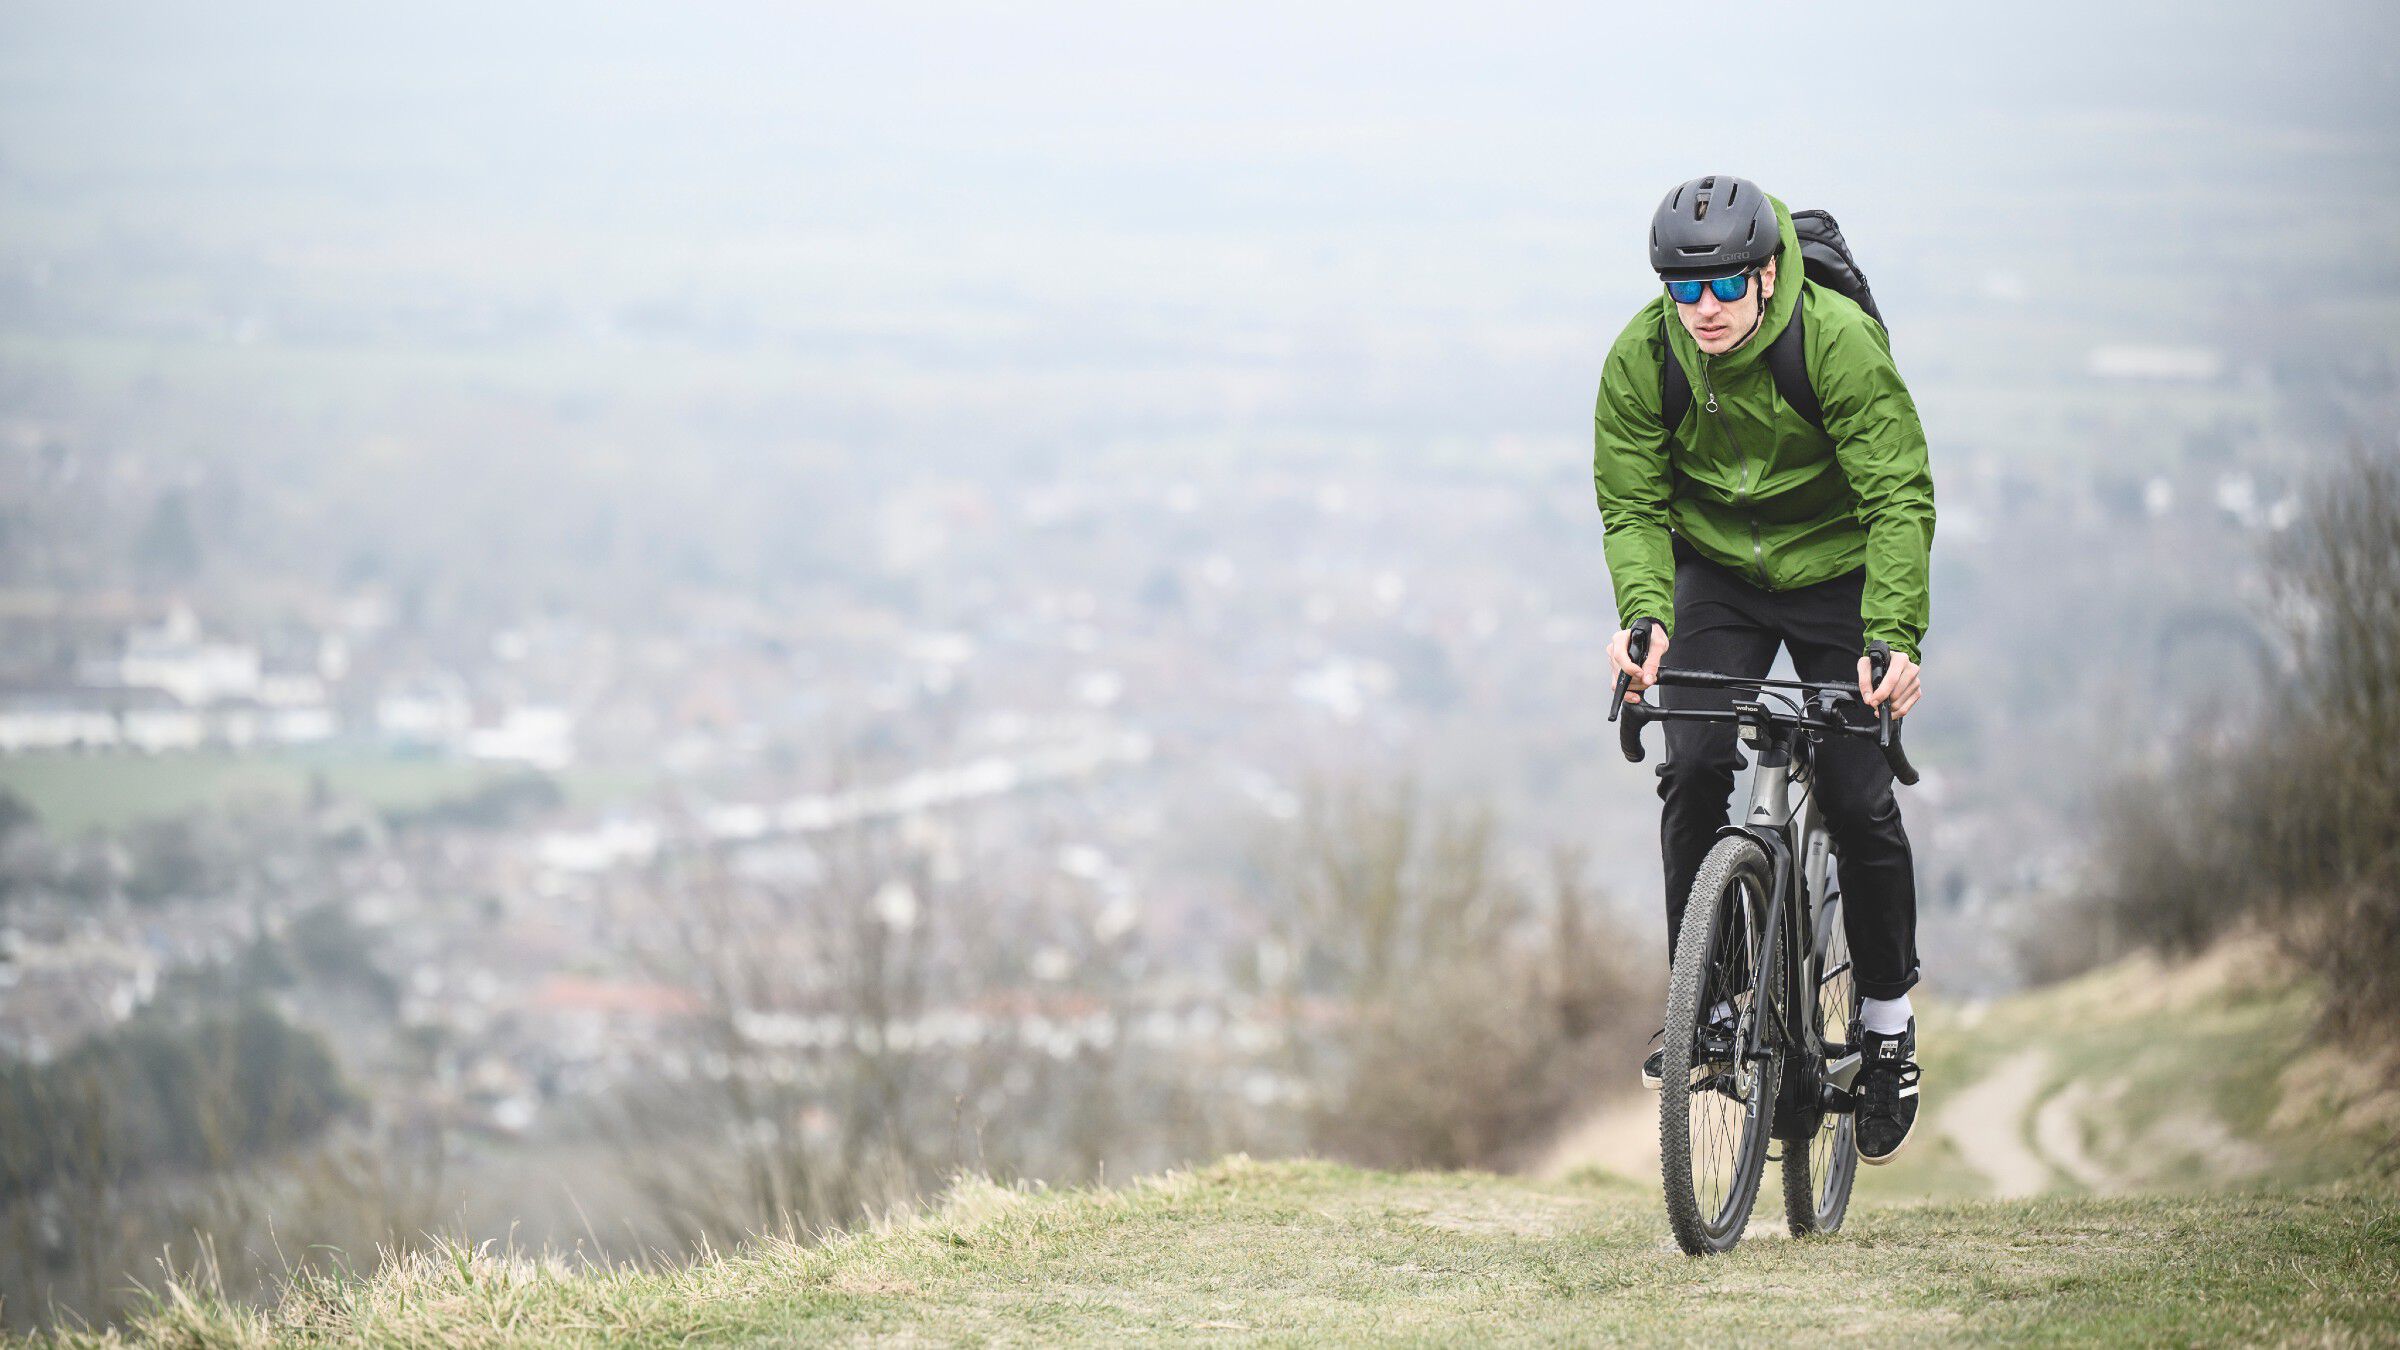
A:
(2325, 812)
(876, 1021)
(2294, 818)
(1460, 1012)
(155, 1148)
(794, 1107)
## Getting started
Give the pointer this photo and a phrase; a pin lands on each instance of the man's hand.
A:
(1645, 674)
(1899, 684)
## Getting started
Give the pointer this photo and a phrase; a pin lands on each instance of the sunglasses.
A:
(1728, 289)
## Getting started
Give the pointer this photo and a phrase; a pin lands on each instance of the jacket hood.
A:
(1789, 275)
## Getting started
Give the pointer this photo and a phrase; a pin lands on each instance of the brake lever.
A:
(1879, 664)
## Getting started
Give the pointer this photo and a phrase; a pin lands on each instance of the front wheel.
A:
(1717, 1108)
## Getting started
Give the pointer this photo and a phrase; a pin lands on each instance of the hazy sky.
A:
(1451, 201)
(958, 121)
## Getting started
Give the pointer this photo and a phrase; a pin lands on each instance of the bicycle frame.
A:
(1799, 851)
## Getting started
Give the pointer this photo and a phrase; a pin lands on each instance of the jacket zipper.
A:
(1741, 494)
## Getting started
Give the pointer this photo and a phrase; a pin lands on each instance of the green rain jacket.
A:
(1754, 487)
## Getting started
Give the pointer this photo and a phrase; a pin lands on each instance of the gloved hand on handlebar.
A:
(1644, 673)
(1899, 684)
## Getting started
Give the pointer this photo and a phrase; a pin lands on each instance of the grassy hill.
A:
(2143, 1076)
(1300, 1253)
(2209, 1177)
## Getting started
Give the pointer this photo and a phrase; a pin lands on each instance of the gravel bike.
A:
(1762, 1012)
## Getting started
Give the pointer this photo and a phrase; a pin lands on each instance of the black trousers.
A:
(1726, 625)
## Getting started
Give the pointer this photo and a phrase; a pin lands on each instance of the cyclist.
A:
(1745, 527)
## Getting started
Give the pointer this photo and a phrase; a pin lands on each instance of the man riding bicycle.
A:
(1749, 524)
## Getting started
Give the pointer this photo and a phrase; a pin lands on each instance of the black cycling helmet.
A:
(1713, 227)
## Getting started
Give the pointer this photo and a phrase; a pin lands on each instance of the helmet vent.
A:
(1700, 211)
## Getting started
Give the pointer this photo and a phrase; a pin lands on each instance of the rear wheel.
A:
(1817, 1178)
(1715, 1118)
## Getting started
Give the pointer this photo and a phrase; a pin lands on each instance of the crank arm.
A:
(1842, 1072)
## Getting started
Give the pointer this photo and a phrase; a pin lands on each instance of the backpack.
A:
(1826, 259)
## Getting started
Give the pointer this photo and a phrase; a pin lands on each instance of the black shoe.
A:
(1716, 1049)
(1886, 1092)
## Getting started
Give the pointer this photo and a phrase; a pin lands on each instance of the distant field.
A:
(78, 792)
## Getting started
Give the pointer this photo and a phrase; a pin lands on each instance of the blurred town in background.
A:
(631, 627)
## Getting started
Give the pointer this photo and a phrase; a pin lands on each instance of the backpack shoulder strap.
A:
(1787, 361)
(1674, 384)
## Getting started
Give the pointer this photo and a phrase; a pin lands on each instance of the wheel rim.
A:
(1831, 1152)
(1725, 1109)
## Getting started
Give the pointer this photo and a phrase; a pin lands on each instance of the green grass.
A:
(1303, 1253)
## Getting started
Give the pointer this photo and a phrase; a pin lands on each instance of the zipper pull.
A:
(1712, 400)
(1708, 384)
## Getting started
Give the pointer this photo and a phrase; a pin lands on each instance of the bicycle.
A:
(1764, 919)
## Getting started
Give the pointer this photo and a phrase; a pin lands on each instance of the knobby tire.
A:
(1719, 941)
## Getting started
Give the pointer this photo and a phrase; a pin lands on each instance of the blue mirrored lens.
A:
(1728, 289)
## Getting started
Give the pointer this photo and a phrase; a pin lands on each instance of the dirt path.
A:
(2058, 1133)
(1987, 1120)
(2021, 1143)
(1621, 1137)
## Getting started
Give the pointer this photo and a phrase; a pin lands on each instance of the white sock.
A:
(1886, 1016)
